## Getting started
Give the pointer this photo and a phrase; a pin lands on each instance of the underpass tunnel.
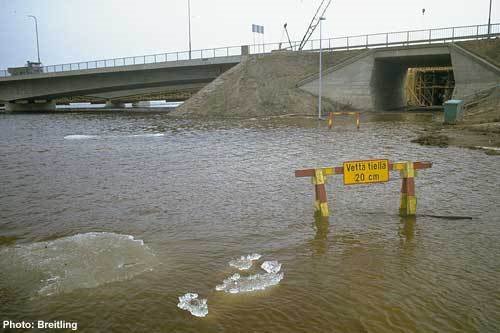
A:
(401, 82)
(429, 86)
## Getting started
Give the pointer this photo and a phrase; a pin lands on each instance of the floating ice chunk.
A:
(80, 261)
(234, 278)
(237, 284)
(254, 256)
(84, 137)
(244, 262)
(190, 302)
(79, 137)
(147, 135)
(271, 266)
(488, 148)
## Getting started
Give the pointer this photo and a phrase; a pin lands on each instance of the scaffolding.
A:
(429, 86)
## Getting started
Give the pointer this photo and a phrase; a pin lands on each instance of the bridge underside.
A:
(169, 94)
(114, 86)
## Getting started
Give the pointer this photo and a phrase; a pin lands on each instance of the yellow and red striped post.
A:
(330, 120)
(321, 201)
(408, 203)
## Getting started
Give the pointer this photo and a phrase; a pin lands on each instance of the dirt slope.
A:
(488, 49)
(262, 86)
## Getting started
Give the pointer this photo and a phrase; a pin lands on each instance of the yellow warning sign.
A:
(365, 172)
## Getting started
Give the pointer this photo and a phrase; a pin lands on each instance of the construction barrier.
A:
(331, 114)
(367, 172)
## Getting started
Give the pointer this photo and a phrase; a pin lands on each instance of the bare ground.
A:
(479, 129)
(262, 86)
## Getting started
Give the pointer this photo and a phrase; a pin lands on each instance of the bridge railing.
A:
(145, 59)
(414, 37)
(386, 39)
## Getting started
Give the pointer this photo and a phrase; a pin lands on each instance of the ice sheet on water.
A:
(244, 262)
(80, 261)
(84, 137)
(271, 266)
(238, 284)
(146, 135)
(190, 302)
(80, 137)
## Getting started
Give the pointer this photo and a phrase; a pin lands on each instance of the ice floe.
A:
(190, 302)
(244, 262)
(84, 137)
(271, 266)
(80, 137)
(238, 284)
(81, 261)
(146, 135)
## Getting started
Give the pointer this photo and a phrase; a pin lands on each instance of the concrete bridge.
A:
(174, 80)
(370, 80)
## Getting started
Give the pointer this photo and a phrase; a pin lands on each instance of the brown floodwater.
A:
(75, 186)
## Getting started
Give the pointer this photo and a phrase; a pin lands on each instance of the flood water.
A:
(75, 186)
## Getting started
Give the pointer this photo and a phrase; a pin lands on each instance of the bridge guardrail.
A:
(424, 36)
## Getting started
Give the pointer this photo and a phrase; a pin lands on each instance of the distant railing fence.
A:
(439, 35)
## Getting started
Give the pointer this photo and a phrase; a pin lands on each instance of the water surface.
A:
(200, 193)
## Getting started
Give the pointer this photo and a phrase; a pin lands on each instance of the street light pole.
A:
(320, 68)
(36, 30)
(489, 21)
(189, 23)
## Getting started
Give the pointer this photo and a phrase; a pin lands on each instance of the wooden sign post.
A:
(367, 172)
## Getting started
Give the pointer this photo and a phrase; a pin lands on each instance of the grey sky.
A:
(78, 30)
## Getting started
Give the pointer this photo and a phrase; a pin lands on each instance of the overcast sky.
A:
(80, 30)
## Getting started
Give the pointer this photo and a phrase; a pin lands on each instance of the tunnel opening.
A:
(404, 82)
(427, 87)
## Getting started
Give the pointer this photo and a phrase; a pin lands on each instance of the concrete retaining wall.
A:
(347, 83)
(472, 74)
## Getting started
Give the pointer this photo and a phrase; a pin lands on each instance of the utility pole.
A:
(189, 23)
(320, 67)
(36, 30)
(489, 21)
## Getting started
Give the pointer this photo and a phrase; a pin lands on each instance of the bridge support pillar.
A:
(114, 105)
(25, 106)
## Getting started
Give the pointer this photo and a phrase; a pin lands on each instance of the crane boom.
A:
(288, 36)
(315, 22)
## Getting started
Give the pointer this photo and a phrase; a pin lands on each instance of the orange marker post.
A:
(331, 114)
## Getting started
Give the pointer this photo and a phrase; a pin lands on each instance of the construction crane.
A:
(314, 22)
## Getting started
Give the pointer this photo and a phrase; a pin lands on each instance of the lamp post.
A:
(36, 30)
(320, 68)
(189, 23)
(489, 21)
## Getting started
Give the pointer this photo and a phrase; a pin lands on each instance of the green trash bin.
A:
(453, 111)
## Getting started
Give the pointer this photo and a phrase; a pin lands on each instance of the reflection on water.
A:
(320, 242)
(407, 228)
(206, 192)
